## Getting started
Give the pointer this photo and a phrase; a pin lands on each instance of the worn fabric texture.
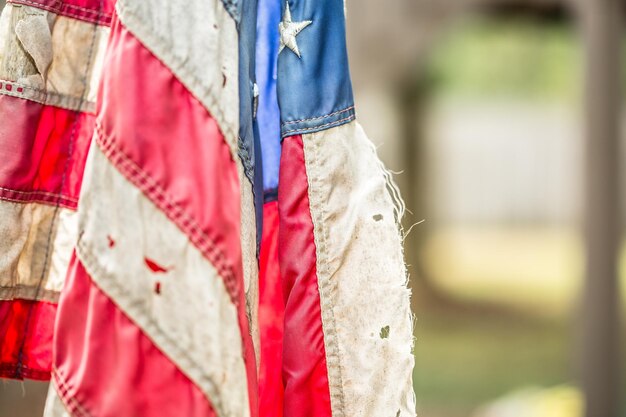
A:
(49, 70)
(191, 293)
(54, 406)
(248, 255)
(362, 278)
(29, 231)
(151, 264)
(198, 42)
(54, 59)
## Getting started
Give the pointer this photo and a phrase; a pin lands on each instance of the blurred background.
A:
(502, 121)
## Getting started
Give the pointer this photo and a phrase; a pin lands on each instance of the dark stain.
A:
(384, 332)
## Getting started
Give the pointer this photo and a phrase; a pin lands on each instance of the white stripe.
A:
(54, 406)
(361, 276)
(35, 237)
(56, 60)
(249, 258)
(198, 41)
(192, 320)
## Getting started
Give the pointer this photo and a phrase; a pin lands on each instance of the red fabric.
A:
(26, 334)
(304, 357)
(94, 11)
(105, 366)
(271, 314)
(43, 150)
(167, 144)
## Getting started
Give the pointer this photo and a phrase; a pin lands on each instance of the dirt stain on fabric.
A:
(384, 332)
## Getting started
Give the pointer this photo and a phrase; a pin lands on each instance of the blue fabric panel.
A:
(268, 114)
(314, 90)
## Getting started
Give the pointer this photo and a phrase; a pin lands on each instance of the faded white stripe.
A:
(54, 406)
(36, 245)
(249, 259)
(56, 60)
(192, 320)
(198, 41)
(361, 276)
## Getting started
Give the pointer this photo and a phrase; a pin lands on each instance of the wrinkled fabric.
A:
(191, 220)
(361, 275)
(271, 317)
(50, 65)
(305, 367)
(314, 90)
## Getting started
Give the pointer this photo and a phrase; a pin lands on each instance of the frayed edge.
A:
(399, 208)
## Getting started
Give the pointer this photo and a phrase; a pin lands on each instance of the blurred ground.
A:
(506, 324)
(22, 399)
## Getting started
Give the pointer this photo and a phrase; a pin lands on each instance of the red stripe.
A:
(304, 357)
(271, 314)
(43, 150)
(94, 11)
(26, 334)
(167, 144)
(105, 366)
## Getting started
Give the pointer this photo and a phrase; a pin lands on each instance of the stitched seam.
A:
(25, 292)
(308, 129)
(66, 166)
(177, 214)
(327, 287)
(26, 87)
(60, 4)
(103, 19)
(40, 201)
(320, 117)
(46, 97)
(38, 192)
(162, 49)
(12, 370)
(72, 403)
(158, 337)
(136, 174)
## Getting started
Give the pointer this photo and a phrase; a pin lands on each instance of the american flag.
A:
(192, 222)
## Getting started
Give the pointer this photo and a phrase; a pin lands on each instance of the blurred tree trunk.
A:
(412, 98)
(601, 20)
(409, 102)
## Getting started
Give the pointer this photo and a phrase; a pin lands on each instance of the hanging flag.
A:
(192, 222)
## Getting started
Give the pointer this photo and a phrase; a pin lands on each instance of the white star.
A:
(289, 30)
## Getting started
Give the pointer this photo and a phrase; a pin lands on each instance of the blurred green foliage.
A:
(519, 57)
(466, 360)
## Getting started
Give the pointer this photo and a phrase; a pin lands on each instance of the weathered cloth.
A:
(192, 222)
